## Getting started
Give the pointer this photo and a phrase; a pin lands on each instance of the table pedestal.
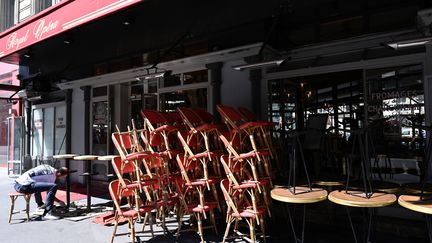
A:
(67, 158)
(302, 195)
(87, 173)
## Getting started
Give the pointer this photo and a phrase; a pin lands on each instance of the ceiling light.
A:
(259, 64)
(409, 43)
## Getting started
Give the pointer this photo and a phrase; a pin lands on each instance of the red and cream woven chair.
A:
(192, 205)
(260, 168)
(158, 126)
(241, 208)
(252, 129)
(131, 212)
(209, 132)
(241, 180)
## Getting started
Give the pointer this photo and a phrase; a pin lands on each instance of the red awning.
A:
(59, 18)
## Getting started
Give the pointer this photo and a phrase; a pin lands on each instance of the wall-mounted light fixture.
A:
(28, 54)
(409, 43)
(259, 64)
(154, 73)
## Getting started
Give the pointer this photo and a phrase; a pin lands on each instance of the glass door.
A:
(14, 145)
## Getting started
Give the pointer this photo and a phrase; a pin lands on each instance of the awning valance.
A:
(59, 18)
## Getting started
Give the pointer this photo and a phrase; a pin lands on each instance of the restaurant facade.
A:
(86, 68)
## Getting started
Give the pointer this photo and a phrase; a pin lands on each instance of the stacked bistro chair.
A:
(240, 207)
(160, 132)
(239, 129)
(241, 171)
(199, 164)
(147, 184)
(192, 196)
(203, 131)
(122, 190)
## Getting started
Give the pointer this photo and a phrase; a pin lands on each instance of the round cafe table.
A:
(107, 157)
(67, 158)
(87, 173)
(415, 203)
(358, 199)
(300, 195)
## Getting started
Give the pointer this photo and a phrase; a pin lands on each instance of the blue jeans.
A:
(37, 188)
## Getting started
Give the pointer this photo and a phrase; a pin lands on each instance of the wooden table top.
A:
(416, 188)
(328, 183)
(414, 203)
(303, 194)
(378, 199)
(86, 157)
(64, 156)
(107, 157)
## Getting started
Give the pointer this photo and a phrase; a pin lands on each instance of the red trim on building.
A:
(55, 20)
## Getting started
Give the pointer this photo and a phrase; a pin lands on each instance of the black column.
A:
(255, 77)
(68, 140)
(87, 169)
(215, 80)
(28, 115)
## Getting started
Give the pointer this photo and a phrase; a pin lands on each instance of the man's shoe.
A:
(50, 216)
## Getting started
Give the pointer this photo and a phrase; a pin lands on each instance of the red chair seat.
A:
(146, 182)
(129, 213)
(245, 213)
(137, 156)
(202, 182)
(165, 128)
(198, 209)
(146, 209)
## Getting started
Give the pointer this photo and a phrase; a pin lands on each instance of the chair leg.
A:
(200, 230)
(263, 228)
(132, 227)
(180, 222)
(236, 223)
(216, 197)
(266, 201)
(251, 223)
(164, 228)
(27, 198)
(151, 224)
(145, 221)
(227, 228)
(115, 227)
(213, 220)
(13, 198)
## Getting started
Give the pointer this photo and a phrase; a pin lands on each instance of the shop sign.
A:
(55, 20)
(60, 122)
(377, 100)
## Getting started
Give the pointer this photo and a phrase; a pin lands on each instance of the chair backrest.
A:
(191, 119)
(122, 142)
(205, 116)
(118, 191)
(247, 114)
(122, 167)
(230, 115)
(230, 168)
(228, 146)
(225, 187)
(185, 145)
(180, 161)
(153, 118)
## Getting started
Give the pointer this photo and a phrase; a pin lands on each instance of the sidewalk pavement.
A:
(326, 223)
